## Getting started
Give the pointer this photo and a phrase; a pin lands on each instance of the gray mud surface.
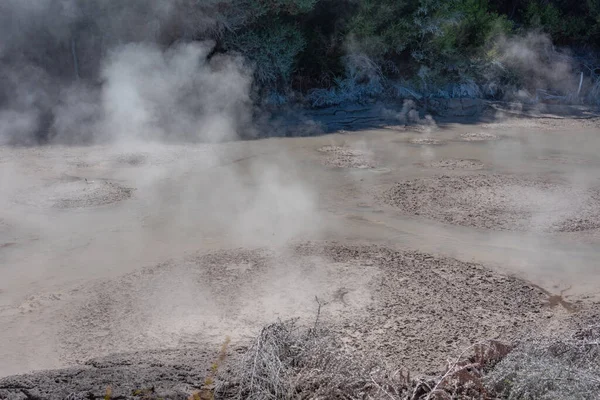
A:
(407, 307)
(344, 157)
(74, 192)
(478, 136)
(128, 265)
(456, 164)
(168, 374)
(505, 202)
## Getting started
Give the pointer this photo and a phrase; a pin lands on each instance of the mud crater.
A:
(71, 192)
(500, 202)
(345, 157)
(426, 141)
(478, 137)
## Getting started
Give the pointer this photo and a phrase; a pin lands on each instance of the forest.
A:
(326, 52)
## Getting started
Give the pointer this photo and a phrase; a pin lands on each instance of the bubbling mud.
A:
(500, 202)
(344, 157)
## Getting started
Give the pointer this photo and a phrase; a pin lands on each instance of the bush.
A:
(551, 368)
(273, 51)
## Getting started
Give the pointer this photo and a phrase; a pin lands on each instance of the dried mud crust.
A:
(502, 202)
(426, 309)
(132, 159)
(426, 141)
(345, 157)
(74, 192)
(409, 308)
(206, 297)
(456, 164)
(478, 137)
(167, 374)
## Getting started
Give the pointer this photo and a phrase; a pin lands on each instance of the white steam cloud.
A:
(177, 93)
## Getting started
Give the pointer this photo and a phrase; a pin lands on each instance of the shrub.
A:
(551, 368)
(273, 49)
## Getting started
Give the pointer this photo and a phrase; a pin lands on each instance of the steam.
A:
(176, 93)
(537, 64)
(76, 72)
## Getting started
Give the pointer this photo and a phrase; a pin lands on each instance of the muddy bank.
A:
(503, 202)
(167, 374)
(345, 157)
(410, 309)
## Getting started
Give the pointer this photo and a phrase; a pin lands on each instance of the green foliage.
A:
(273, 49)
(567, 22)
(306, 44)
(277, 7)
(271, 38)
(473, 27)
(436, 34)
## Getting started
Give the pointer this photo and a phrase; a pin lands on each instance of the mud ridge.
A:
(502, 202)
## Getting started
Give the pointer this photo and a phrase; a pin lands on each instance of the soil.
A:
(129, 265)
(506, 202)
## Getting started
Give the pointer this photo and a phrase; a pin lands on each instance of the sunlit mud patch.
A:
(455, 164)
(345, 157)
(207, 297)
(501, 202)
(478, 137)
(427, 309)
(565, 159)
(411, 308)
(74, 192)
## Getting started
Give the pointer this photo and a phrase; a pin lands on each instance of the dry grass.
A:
(556, 367)
(290, 362)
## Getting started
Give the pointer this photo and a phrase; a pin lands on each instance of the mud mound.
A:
(478, 137)
(500, 202)
(427, 308)
(206, 297)
(409, 308)
(427, 141)
(74, 192)
(131, 159)
(345, 157)
(456, 164)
